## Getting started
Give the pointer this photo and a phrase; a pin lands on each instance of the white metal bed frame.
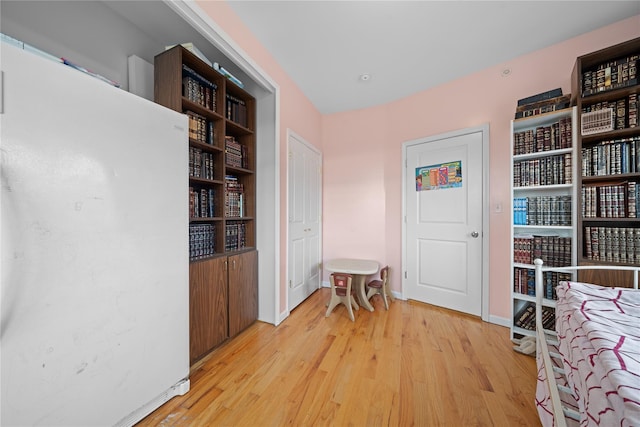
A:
(546, 337)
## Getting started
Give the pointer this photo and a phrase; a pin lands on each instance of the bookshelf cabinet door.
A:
(243, 291)
(207, 306)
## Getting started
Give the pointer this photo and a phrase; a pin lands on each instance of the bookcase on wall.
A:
(544, 196)
(605, 89)
(222, 183)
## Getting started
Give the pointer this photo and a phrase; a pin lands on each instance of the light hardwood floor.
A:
(414, 365)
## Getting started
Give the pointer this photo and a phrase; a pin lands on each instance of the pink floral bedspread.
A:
(599, 333)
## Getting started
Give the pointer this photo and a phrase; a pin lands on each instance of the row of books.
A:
(202, 241)
(612, 157)
(524, 282)
(234, 197)
(235, 236)
(198, 89)
(549, 170)
(220, 69)
(201, 164)
(542, 210)
(613, 244)
(624, 112)
(546, 106)
(235, 154)
(543, 138)
(539, 97)
(201, 202)
(554, 251)
(611, 201)
(200, 129)
(237, 110)
(525, 318)
(610, 75)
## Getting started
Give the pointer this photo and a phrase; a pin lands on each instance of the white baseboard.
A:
(282, 317)
(500, 321)
(178, 389)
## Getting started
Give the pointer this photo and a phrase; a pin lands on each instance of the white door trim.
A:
(485, 206)
(292, 134)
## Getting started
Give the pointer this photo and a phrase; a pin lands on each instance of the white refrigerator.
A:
(94, 323)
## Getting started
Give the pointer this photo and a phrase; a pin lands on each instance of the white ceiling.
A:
(409, 46)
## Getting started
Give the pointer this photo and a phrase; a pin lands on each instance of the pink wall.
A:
(362, 149)
(376, 135)
(354, 198)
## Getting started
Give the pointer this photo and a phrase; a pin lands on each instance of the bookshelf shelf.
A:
(542, 227)
(544, 215)
(609, 182)
(541, 153)
(223, 272)
(611, 177)
(543, 187)
(614, 134)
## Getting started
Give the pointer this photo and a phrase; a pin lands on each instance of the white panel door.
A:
(304, 220)
(444, 221)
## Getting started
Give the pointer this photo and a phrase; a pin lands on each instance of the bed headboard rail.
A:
(633, 270)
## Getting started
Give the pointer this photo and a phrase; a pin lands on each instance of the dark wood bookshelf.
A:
(586, 64)
(224, 283)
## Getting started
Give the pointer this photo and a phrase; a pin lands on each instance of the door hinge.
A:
(405, 274)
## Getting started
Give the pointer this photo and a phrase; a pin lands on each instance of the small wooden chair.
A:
(381, 286)
(342, 293)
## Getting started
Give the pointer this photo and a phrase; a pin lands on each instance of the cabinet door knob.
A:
(474, 234)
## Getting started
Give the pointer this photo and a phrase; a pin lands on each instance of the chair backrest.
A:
(341, 280)
(384, 274)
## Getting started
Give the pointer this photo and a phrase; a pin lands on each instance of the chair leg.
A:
(347, 304)
(384, 299)
(332, 304)
(354, 303)
(388, 290)
(371, 292)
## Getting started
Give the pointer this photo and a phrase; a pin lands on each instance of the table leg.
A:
(362, 292)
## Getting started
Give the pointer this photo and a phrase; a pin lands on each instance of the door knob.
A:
(474, 234)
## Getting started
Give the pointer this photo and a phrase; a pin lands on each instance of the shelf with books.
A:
(543, 192)
(222, 191)
(524, 319)
(221, 142)
(606, 90)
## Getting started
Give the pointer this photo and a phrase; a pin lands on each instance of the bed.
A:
(589, 367)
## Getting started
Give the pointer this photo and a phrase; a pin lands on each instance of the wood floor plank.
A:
(414, 364)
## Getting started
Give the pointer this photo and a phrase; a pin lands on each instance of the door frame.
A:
(292, 134)
(484, 129)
